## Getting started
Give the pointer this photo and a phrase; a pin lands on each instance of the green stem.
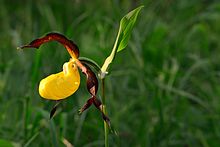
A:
(105, 112)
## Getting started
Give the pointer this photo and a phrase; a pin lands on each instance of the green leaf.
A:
(124, 33)
(126, 25)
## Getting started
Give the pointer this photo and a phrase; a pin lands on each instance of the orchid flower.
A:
(61, 85)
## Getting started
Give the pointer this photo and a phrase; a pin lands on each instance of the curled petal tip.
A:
(19, 48)
(25, 46)
(22, 47)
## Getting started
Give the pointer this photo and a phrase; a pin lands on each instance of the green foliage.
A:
(124, 33)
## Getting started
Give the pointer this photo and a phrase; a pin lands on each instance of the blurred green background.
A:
(163, 90)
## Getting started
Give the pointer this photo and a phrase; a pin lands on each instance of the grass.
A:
(163, 90)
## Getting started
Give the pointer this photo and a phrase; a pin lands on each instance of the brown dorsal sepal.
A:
(68, 44)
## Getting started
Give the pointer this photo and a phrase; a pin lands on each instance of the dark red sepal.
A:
(68, 44)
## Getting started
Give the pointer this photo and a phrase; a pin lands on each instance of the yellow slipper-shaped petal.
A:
(61, 85)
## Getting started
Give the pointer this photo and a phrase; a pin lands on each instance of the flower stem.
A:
(105, 112)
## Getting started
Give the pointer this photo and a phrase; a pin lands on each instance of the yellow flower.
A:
(63, 84)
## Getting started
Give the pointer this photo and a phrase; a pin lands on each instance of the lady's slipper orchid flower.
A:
(63, 84)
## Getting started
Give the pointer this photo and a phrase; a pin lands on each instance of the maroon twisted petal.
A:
(92, 86)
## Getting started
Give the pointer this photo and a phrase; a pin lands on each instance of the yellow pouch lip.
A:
(60, 85)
